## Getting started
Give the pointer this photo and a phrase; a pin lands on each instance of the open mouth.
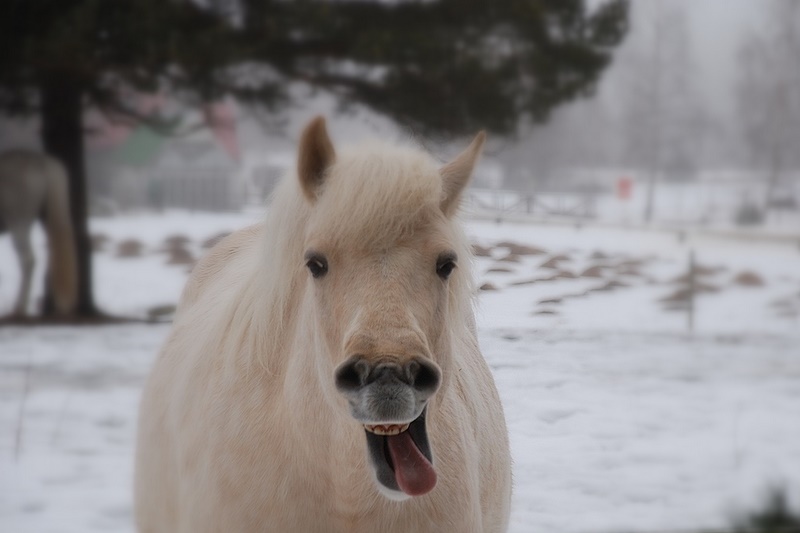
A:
(401, 456)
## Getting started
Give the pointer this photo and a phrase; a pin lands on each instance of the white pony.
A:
(34, 185)
(323, 372)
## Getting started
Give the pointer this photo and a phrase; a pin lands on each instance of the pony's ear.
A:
(456, 174)
(315, 155)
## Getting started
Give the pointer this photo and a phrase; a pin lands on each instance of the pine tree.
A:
(439, 67)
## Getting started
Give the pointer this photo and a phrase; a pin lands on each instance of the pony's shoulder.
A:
(213, 263)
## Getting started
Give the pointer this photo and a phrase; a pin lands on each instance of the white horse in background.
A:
(34, 185)
(323, 372)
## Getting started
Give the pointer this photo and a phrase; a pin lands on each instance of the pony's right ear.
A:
(315, 155)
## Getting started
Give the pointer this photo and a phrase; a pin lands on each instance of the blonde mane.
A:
(376, 193)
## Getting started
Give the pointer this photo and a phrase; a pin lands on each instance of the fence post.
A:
(692, 289)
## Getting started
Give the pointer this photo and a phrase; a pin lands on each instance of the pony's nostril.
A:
(352, 374)
(424, 376)
(412, 369)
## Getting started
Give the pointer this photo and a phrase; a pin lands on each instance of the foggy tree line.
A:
(653, 117)
(769, 96)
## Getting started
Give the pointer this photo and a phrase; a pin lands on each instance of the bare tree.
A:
(662, 118)
(769, 95)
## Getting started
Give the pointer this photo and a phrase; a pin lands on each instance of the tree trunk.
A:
(62, 137)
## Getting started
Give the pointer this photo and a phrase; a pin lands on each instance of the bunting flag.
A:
(141, 147)
(138, 144)
(221, 118)
(108, 131)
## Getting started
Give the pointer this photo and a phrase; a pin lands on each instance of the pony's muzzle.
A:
(387, 391)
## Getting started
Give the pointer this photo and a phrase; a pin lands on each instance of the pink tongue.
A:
(413, 472)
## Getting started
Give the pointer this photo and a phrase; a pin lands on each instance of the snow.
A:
(708, 205)
(620, 417)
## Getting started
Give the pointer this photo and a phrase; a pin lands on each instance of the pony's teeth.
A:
(391, 429)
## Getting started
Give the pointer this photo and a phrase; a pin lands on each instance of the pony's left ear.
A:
(456, 174)
(315, 155)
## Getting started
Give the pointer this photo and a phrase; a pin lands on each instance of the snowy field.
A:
(620, 417)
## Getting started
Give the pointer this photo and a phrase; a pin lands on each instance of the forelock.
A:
(377, 193)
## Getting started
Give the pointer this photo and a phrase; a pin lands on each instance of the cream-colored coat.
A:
(241, 428)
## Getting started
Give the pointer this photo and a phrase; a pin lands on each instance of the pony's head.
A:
(385, 279)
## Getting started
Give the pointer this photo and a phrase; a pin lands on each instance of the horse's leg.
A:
(20, 235)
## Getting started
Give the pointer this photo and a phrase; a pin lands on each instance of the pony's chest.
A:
(336, 494)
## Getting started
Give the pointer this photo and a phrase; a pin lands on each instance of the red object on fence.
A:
(624, 186)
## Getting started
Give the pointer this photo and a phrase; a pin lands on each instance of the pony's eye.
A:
(445, 265)
(317, 265)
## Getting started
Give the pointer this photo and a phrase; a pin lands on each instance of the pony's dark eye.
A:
(316, 264)
(445, 265)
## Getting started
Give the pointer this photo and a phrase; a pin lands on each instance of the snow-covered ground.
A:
(620, 417)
